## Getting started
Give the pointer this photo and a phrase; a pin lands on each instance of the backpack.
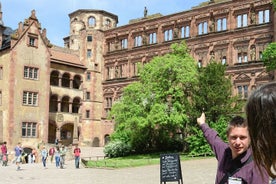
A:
(51, 151)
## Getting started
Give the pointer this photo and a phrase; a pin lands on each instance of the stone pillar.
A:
(58, 133)
(75, 131)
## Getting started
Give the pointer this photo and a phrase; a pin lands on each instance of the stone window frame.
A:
(91, 21)
(32, 40)
(31, 73)
(29, 129)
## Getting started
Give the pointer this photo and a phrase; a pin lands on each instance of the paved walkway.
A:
(201, 171)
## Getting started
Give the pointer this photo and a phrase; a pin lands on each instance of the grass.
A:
(129, 161)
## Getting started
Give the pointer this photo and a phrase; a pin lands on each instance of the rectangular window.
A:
(87, 114)
(242, 57)
(87, 95)
(243, 91)
(138, 41)
(29, 129)
(185, 32)
(168, 35)
(30, 72)
(202, 28)
(223, 60)
(108, 102)
(199, 63)
(135, 69)
(260, 55)
(152, 38)
(108, 73)
(31, 41)
(222, 24)
(88, 76)
(264, 16)
(124, 43)
(242, 20)
(118, 71)
(89, 38)
(30, 98)
(89, 53)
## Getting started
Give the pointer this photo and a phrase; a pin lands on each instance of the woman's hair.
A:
(261, 119)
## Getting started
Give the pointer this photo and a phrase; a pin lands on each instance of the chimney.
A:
(20, 28)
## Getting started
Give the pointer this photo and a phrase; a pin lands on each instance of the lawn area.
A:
(130, 161)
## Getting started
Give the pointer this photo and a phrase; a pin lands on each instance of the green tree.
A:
(154, 111)
(269, 57)
(215, 94)
(216, 100)
(274, 4)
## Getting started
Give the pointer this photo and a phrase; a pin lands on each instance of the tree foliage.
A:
(216, 100)
(159, 112)
(215, 94)
(274, 4)
(153, 111)
(269, 57)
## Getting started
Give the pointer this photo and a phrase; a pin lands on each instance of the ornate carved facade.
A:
(232, 32)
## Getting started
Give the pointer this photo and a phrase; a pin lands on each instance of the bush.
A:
(117, 149)
(198, 145)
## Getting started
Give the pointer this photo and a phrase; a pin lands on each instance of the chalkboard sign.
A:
(170, 168)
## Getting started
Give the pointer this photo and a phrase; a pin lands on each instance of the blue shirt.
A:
(18, 151)
(249, 172)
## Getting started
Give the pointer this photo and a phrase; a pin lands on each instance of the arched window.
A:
(108, 22)
(65, 80)
(54, 78)
(65, 104)
(76, 105)
(91, 22)
(77, 82)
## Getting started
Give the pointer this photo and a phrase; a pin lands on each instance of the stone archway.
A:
(96, 142)
(66, 134)
(106, 139)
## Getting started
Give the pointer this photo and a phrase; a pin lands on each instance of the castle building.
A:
(50, 93)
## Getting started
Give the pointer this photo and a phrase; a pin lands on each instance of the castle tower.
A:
(86, 37)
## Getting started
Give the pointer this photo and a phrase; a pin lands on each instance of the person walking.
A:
(44, 155)
(57, 156)
(77, 152)
(18, 151)
(51, 153)
(62, 156)
(261, 118)
(235, 163)
(4, 152)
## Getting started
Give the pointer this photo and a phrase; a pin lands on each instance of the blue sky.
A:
(53, 14)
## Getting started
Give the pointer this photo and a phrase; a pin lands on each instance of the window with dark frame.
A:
(29, 129)
(87, 95)
(89, 38)
(87, 114)
(88, 76)
(30, 72)
(30, 98)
